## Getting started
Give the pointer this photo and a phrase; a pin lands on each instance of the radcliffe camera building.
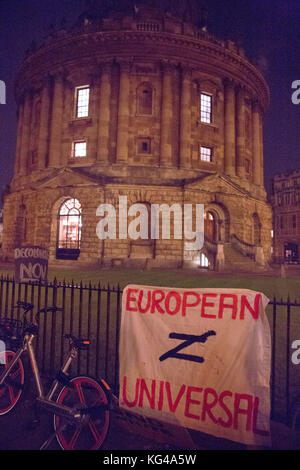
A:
(143, 103)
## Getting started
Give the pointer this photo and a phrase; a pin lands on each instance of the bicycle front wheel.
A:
(83, 392)
(12, 387)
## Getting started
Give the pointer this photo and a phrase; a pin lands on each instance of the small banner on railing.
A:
(198, 358)
(31, 264)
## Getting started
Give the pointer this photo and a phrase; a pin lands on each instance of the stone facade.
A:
(285, 201)
(146, 73)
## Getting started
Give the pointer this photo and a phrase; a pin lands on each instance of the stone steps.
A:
(234, 260)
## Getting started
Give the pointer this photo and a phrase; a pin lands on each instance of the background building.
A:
(286, 217)
(146, 104)
(1, 227)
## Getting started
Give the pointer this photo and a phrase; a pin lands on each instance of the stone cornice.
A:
(197, 53)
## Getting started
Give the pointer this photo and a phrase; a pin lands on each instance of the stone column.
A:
(256, 144)
(185, 120)
(44, 125)
(241, 132)
(261, 149)
(166, 117)
(19, 138)
(229, 127)
(123, 113)
(56, 122)
(24, 151)
(104, 114)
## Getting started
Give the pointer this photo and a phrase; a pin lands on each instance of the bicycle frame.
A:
(46, 401)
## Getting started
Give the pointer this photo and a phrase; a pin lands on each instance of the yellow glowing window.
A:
(206, 108)
(80, 149)
(206, 154)
(82, 101)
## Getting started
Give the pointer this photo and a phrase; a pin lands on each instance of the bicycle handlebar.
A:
(46, 310)
(28, 307)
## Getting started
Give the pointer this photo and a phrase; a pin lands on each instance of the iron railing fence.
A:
(94, 311)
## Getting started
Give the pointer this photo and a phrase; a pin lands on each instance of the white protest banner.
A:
(199, 358)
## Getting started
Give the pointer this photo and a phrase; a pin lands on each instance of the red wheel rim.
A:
(10, 393)
(85, 392)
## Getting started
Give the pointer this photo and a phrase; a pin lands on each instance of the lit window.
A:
(206, 108)
(70, 224)
(206, 154)
(79, 149)
(82, 101)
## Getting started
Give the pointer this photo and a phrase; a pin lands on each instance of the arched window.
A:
(145, 99)
(69, 229)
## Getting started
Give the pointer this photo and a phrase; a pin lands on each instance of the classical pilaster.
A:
(104, 114)
(256, 144)
(240, 138)
(261, 149)
(166, 116)
(185, 119)
(43, 141)
(229, 127)
(56, 121)
(19, 138)
(123, 113)
(26, 133)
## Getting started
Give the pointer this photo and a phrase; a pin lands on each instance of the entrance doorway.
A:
(210, 226)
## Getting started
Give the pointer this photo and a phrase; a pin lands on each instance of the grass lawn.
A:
(269, 285)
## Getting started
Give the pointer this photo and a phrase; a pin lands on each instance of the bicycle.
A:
(82, 404)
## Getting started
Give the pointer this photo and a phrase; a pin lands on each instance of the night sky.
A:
(269, 30)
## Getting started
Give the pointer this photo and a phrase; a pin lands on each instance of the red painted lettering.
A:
(177, 298)
(223, 305)
(157, 297)
(228, 423)
(254, 311)
(243, 411)
(207, 304)
(140, 300)
(150, 395)
(130, 299)
(173, 405)
(189, 401)
(186, 303)
(255, 429)
(128, 403)
(161, 395)
(208, 405)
